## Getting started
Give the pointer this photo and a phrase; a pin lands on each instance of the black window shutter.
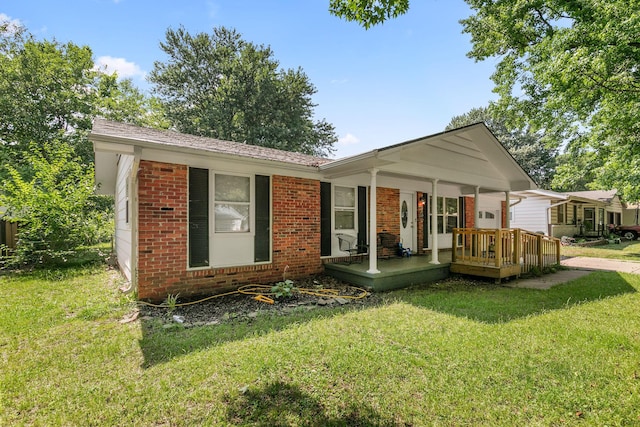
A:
(325, 219)
(198, 217)
(362, 219)
(262, 242)
(462, 213)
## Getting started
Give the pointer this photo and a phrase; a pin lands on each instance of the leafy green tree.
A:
(567, 68)
(49, 94)
(368, 12)
(52, 91)
(54, 206)
(523, 144)
(121, 101)
(221, 86)
(570, 68)
(576, 170)
(44, 93)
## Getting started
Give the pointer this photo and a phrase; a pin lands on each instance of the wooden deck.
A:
(502, 253)
(491, 253)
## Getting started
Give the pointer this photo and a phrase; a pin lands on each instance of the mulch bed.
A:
(242, 307)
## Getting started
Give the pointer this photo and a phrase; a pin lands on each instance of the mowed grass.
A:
(452, 353)
(625, 250)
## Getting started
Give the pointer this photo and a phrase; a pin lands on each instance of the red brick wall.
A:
(162, 231)
(469, 212)
(421, 225)
(388, 218)
(296, 226)
(503, 209)
(162, 228)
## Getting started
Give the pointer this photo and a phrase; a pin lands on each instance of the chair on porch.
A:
(348, 243)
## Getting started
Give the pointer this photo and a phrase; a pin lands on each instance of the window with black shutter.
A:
(325, 219)
(198, 217)
(262, 242)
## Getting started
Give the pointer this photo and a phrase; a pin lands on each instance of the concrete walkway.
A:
(580, 266)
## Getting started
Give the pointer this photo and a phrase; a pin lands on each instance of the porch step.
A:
(393, 275)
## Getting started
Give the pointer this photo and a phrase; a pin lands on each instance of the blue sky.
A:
(392, 83)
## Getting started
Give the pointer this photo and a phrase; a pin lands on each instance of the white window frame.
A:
(443, 215)
(214, 202)
(353, 209)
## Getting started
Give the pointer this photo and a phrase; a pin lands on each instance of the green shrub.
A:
(53, 202)
(284, 289)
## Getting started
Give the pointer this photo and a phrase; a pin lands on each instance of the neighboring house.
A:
(630, 214)
(612, 208)
(198, 215)
(556, 214)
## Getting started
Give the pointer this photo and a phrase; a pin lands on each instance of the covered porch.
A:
(490, 253)
(417, 193)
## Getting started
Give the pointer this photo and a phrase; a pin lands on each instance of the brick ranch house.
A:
(200, 216)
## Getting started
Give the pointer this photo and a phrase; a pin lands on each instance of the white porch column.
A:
(476, 208)
(373, 225)
(508, 208)
(434, 223)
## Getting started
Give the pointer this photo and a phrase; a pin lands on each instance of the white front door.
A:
(408, 221)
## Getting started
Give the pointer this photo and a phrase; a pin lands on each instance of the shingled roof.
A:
(165, 138)
(602, 195)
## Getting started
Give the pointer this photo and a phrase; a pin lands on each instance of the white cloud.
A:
(124, 68)
(339, 81)
(348, 139)
(12, 24)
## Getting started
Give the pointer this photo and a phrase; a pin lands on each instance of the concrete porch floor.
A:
(394, 273)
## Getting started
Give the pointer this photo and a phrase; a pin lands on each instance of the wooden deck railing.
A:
(505, 247)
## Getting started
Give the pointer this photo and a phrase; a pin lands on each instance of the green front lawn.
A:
(628, 251)
(453, 353)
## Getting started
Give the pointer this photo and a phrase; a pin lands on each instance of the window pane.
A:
(440, 205)
(490, 215)
(452, 206)
(560, 214)
(231, 218)
(345, 197)
(344, 220)
(440, 224)
(231, 188)
(452, 222)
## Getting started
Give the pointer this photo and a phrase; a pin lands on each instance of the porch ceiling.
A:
(469, 156)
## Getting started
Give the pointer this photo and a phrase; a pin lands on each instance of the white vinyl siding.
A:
(123, 206)
(531, 214)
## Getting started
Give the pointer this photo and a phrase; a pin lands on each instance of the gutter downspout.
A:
(476, 207)
(549, 214)
(507, 202)
(509, 206)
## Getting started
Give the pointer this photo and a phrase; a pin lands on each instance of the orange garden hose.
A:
(260, 293)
